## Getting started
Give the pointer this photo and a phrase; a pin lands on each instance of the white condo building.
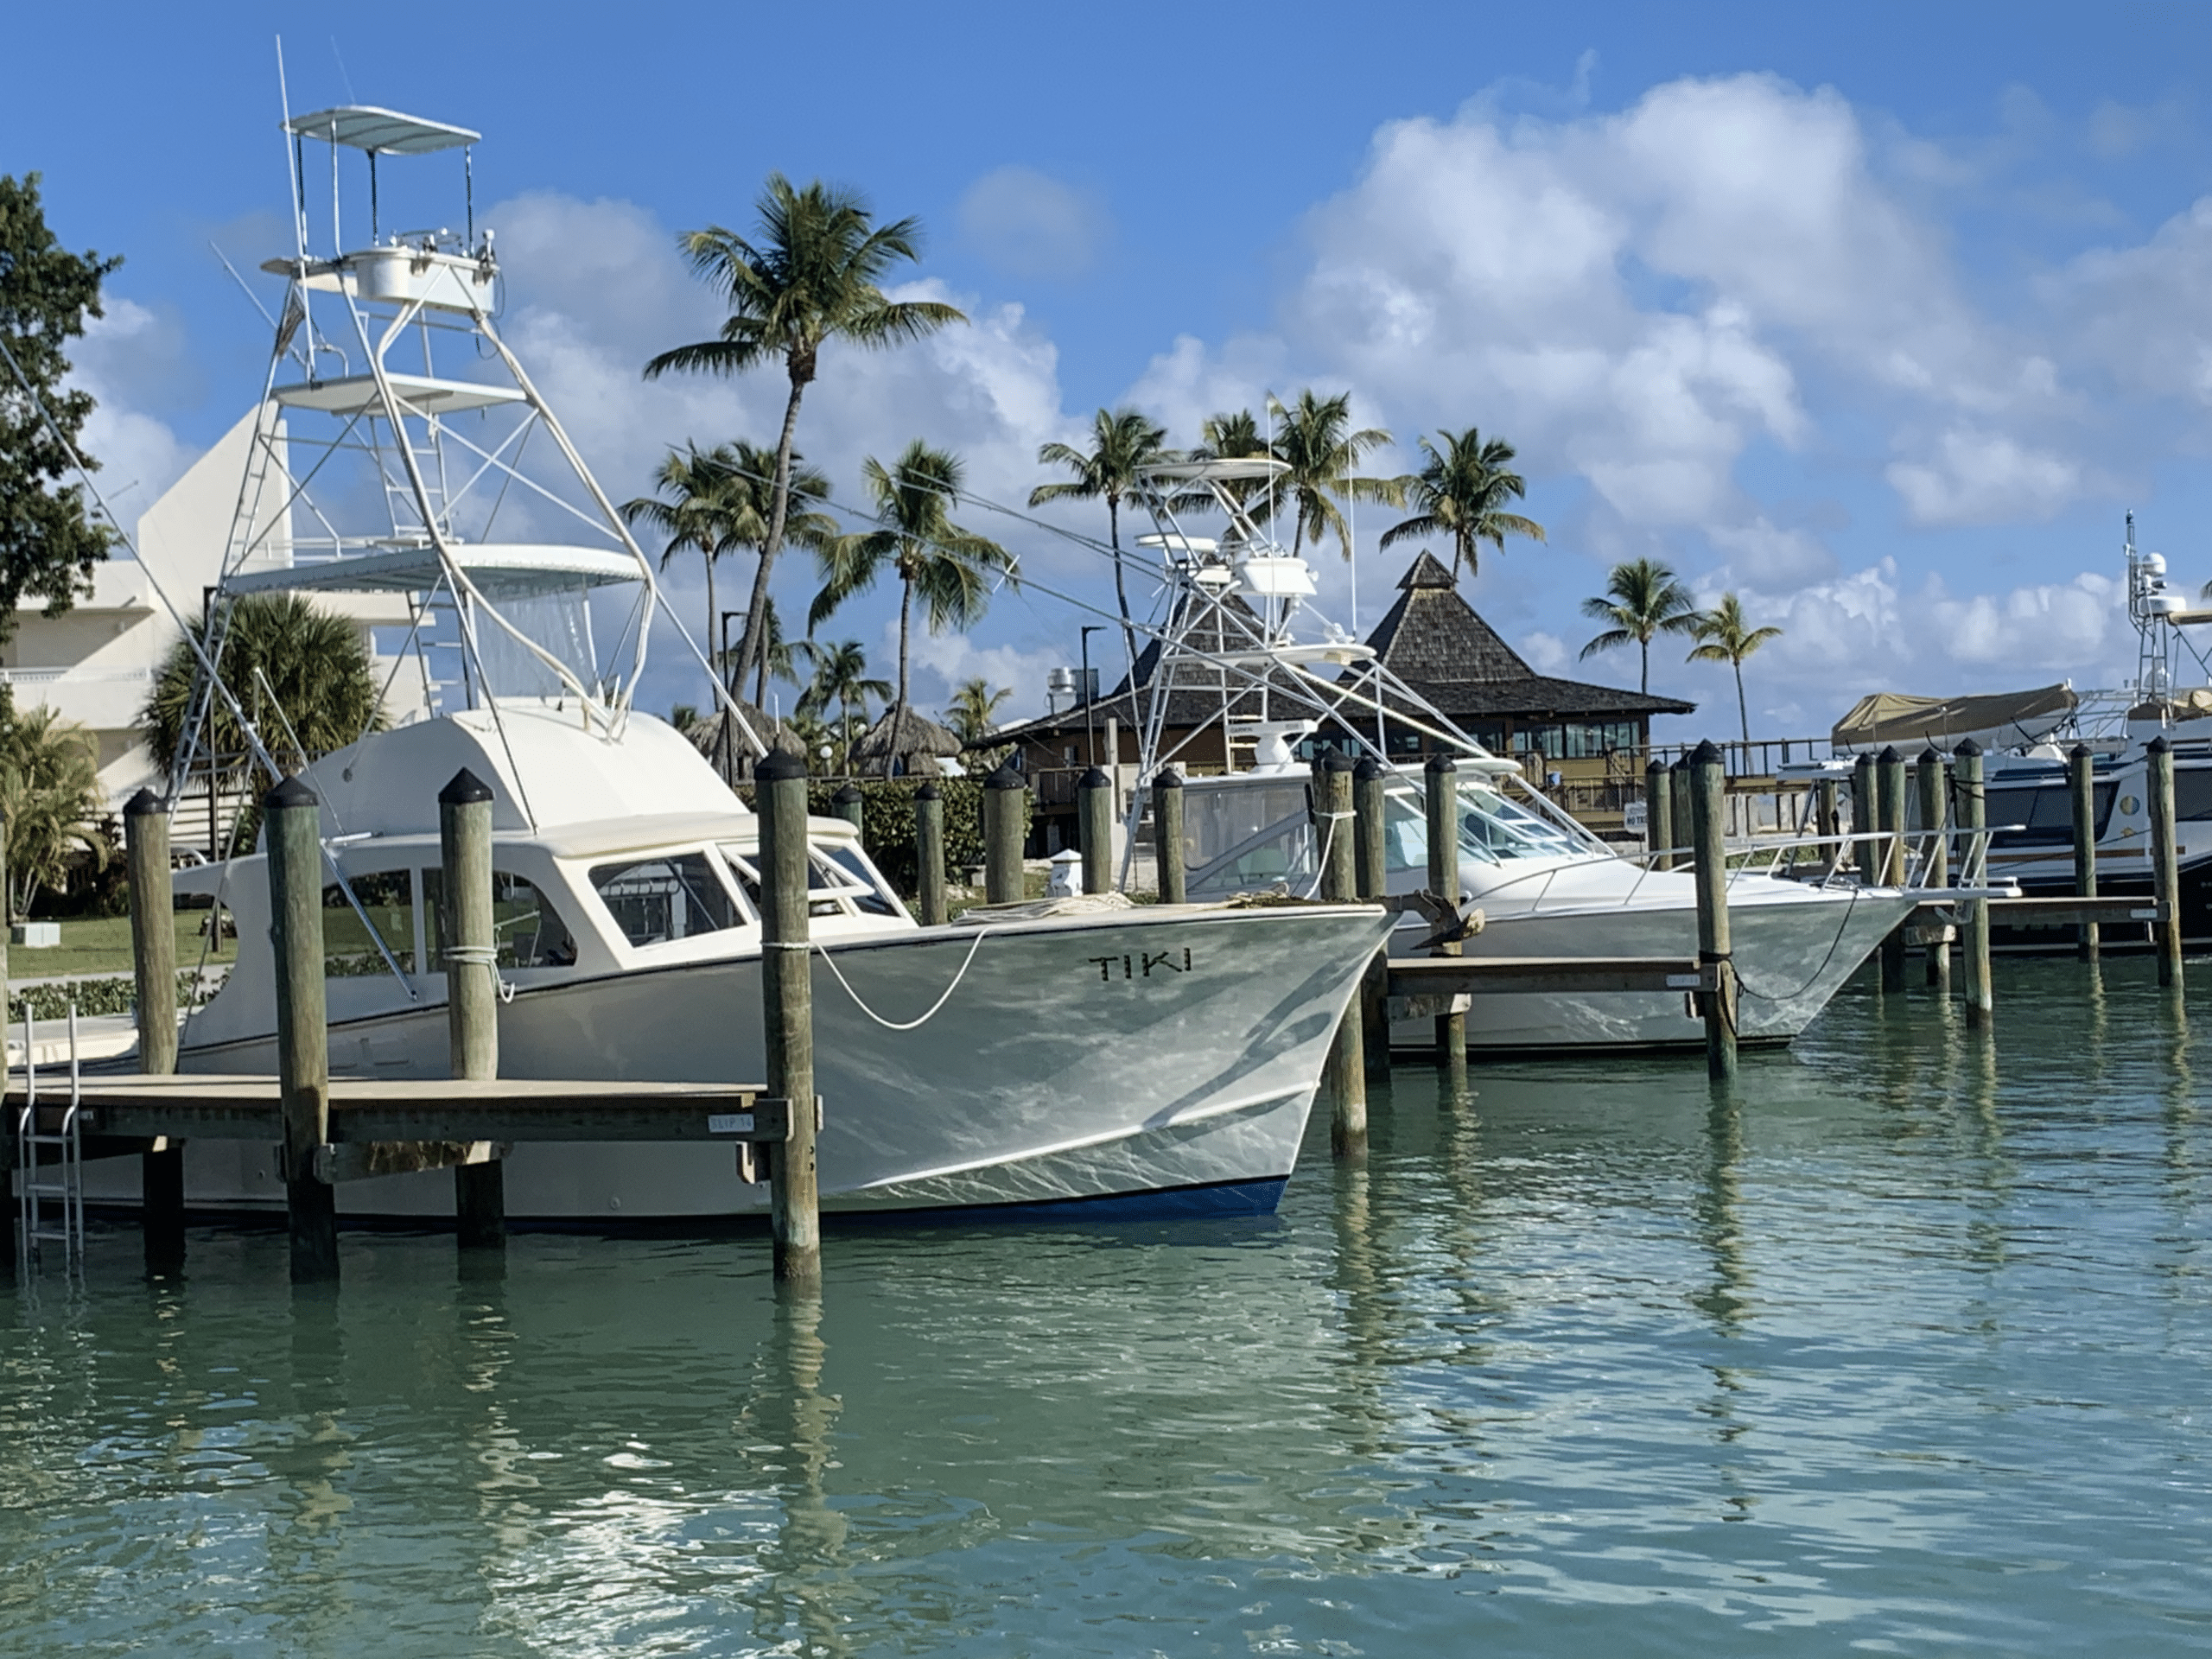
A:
(95, 663)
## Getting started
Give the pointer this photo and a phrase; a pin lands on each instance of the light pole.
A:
(1089, 714)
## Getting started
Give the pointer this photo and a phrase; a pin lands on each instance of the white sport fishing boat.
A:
(1053, 1056)
(1238, 630)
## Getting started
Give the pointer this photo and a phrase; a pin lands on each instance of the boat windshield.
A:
(1228, 853)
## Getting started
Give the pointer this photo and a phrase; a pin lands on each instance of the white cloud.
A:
(1974, 477)
(1024, 223)
(128, 357)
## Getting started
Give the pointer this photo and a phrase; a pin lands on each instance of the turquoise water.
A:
(1904, 1349)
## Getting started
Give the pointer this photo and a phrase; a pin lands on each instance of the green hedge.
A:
(888, 823)
(91, 996)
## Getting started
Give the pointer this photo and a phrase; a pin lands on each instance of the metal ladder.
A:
(43, 1186)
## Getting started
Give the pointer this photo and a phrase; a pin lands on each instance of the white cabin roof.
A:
(538, 754)
(364, 126)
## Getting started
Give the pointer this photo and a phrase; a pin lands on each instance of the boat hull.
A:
(1794, 948)
(1076, 1061)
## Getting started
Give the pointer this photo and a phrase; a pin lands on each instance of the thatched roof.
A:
(707, 735)
(1433, 640)
(906, 737)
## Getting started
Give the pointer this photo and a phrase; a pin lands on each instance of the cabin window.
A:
(2046, 813)
(349, 948)
(528, 930)
(839, 882)
(865, 887)
(2192, 794)
(661, 900)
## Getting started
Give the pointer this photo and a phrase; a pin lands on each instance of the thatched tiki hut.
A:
(903, 744)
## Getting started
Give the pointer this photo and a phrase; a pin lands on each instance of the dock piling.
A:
(849, 804)
(1370, 807)
(1658, 811)
(470, 939)
(153, 962)
(1863, 818)
(929, 908)
(2081, 795)
(1973, 815)
(1889, 819)
(1335, 836)
(1441, 800)
(2165, 866)
(787, 1014)
(1006, 802)
(1168, 834)
(1679, 809)
(1716, 966)
(1094, 818)
(292, 815)
(1935, 793)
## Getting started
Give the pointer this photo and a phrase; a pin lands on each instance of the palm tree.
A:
(49, 788)
(948, 567)
(1232, 434)
(970, 715)
(302, 675)
(753, 501)
(840, 675)
(692, 511)
(1461, 491)
(1724, 637)
(1642, 601)
(973, 709)
(1123, 443)
(1320, 452)
(813, 275)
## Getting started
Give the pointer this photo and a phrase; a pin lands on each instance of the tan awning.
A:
(1889, 717)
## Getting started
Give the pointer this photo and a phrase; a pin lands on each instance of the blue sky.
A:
(1882, 318)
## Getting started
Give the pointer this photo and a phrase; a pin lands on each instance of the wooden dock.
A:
(1542, 976)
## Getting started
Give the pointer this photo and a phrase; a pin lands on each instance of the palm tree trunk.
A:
(906, 621)
(1743, 710)
(1644, 681)
(1121, 588)
(753, 648)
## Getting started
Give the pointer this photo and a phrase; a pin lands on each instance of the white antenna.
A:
(291, 156)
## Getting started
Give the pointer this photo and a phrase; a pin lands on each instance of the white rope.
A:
(975, 944)
(1328, 843)
(484, 956)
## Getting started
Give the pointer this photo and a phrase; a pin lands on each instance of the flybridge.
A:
(401, 450)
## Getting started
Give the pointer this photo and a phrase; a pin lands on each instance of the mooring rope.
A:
(484, 956)
(974, 945)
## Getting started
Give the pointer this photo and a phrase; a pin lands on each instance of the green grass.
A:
(101, 944)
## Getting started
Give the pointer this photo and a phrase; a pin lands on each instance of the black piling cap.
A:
(290, 793)
(1681, 764)
(1333, 761)
(2079, 752)
(929, 791)
(1095, 778)
(1654, 764)
(847, 795)
(1440, 763)
(467, 789)
(777, 766)
(1890, 755)
(1968, 746)
(2158, 745)
(1705, 755)
(144, 805)
(1168, 778)
(1369, 770)
(1004, 777)
(1928, 757)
